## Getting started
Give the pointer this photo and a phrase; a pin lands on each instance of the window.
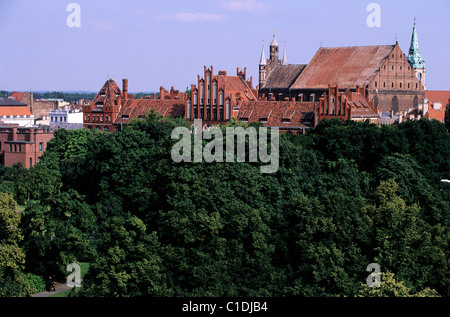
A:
(41, 146)
(31, 162)
(376, 84)
(10, 148)
(106, 129)
(400, 85)
(384, 85)
(395, 104)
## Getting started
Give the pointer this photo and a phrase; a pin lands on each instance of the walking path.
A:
(59, 288)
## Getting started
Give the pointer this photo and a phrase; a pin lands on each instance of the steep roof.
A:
(360, 106)
(18, 95)
(234, 85)
(343, 66)
(109, 95)
(283, 76)
(283, 114)
(134, 108)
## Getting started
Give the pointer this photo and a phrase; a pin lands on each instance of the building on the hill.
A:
(296, 117)
(217, 97)
(112, 107)
(392, 80)
(23, 145)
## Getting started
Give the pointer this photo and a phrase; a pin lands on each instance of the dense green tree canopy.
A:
(345, 194)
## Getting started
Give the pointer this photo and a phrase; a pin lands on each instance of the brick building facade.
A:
(112, 107)
(217, 97)
(23, 145)
(392, 80)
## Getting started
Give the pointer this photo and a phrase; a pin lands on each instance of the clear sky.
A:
(166, 43)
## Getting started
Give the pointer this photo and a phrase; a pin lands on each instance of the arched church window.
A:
(394, 106)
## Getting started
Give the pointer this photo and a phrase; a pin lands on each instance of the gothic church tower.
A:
(415, 59)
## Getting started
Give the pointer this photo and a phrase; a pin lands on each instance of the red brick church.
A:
(355, 83)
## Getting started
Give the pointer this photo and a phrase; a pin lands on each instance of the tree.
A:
(128, 262)
(447, 116)
(58, 231)
(12, 257)
(390, 287)
(406, 244)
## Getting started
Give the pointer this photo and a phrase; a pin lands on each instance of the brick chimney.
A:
(125, 89)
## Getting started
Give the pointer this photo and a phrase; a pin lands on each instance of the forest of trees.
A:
(346, 194)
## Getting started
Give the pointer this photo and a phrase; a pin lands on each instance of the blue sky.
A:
(166, 43)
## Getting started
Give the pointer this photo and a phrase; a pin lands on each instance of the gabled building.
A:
(112, 107)
(217, 97)
(392, 80)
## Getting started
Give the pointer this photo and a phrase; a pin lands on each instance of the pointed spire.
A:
(284, 62)
(414, 58)
(263, 57)
(274, 41)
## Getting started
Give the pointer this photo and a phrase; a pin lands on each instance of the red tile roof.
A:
(109, 95)
(283, 76)
(283, 114)
(233, 85)
(441, 96)
(18, 95)
(435, 96)
(360, 106)
(135, 108)
(343, 66)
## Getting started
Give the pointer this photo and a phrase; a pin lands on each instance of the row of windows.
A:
(17, 148)
(401, 67)
(393, 85)
(55, 119)
(106, 129)
(208, 114)
(97, 118)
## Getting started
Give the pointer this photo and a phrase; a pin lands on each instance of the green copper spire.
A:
(414, 58)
